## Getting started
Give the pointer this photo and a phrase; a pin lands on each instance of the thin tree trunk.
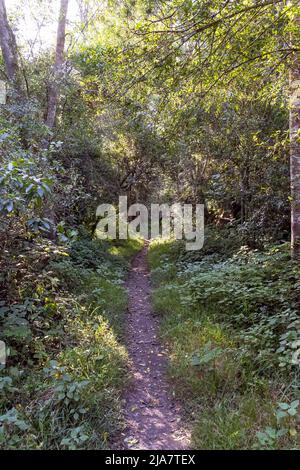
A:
(54, 87)
(294, 125)
(8, 45)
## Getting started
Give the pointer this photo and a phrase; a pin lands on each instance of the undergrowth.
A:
(66, 364)
(231, 322)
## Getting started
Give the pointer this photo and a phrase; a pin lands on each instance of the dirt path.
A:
(152, 417)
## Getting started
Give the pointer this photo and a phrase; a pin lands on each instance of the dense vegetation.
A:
(231, 320)
(191, 101)
(67, 365)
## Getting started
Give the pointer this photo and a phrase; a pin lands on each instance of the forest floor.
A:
(152, 416)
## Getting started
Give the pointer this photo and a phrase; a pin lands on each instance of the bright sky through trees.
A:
(36, 25)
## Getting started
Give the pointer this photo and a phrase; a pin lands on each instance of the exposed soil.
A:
(152, 416)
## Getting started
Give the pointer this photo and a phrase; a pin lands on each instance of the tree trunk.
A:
(294, 125)
(54, 87)
(8, 45)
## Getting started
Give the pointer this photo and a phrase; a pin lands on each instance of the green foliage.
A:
(231, 325)
(227, 426)
(162, 101)
(211, 80)
(21, 184)
(23, 190)
(12, 429)
(288, 418)
(76, 439)
(66, 364)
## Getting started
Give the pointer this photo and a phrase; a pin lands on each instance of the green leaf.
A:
(9, 206)
(284, 406)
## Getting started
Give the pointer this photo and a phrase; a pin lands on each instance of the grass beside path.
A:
(230, 322)
(67, 364)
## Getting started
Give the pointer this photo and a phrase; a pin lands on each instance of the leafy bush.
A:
(66, 364)
(232, 327)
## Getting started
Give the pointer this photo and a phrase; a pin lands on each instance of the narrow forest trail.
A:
(152, 417)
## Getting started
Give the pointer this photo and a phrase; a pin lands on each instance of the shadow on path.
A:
(151, 415)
